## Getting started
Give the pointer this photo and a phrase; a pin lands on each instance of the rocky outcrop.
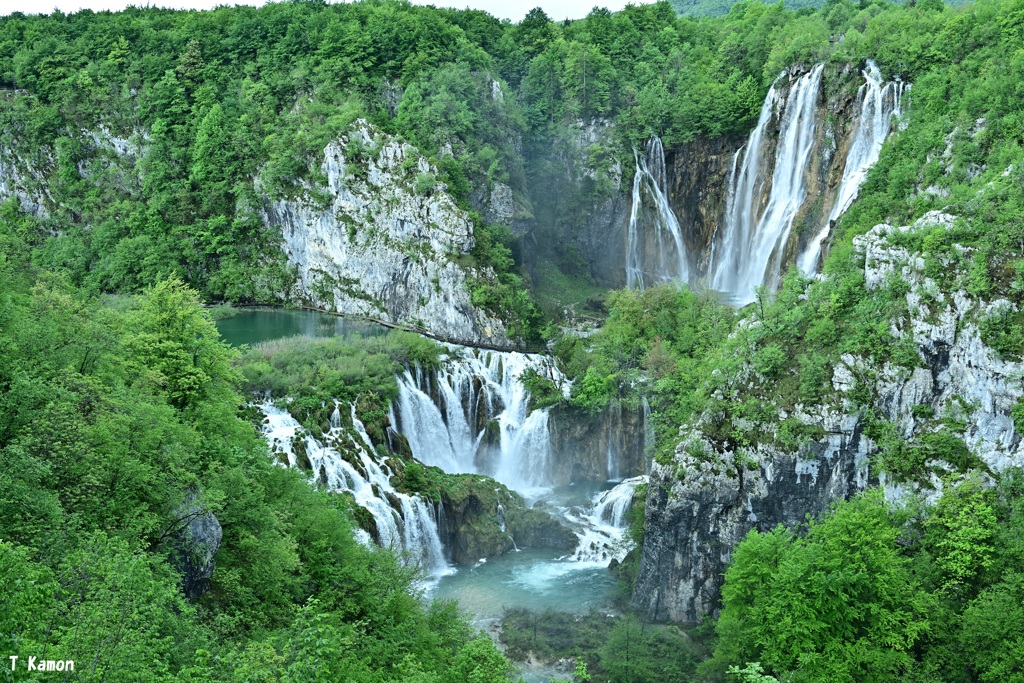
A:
(382, 239)
(612, 444)
(481, 518)
(698, 176)
(700, 505)
(22, 182)
(194, 547)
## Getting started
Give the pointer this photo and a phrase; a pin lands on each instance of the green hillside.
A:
(122, 413)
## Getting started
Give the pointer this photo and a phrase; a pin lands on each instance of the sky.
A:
(505, 9)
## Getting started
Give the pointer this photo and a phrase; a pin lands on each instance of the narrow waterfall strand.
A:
(672, 261)
(879, 103)
(634, 260)
(744, 196)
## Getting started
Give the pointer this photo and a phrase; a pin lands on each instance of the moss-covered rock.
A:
(492, 433)
(301, 457)
(400, 445)
(482, 517)
(536, 528)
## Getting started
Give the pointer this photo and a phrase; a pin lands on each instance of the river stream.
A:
(533, 578)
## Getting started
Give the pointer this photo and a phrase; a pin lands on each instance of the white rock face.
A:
(502, 205)
(704, 502)
(966, 377)
(380, 249)
(26, 184)
(25, 177)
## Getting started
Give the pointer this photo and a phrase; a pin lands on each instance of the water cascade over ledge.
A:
(410, 526)
(472, 416)
(603, 536)
(879, 103)
(777, 176)
(751, 245)
(670, 260)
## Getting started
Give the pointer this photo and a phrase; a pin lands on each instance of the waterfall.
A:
(472, 416)
(602, 534)
(671, 260)
(879, 103)
(411, 528)
(752, 243)
(610, 506)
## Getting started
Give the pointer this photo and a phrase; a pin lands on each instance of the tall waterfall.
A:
(753, 241)
(879, 103)
(410, 527)
(670, 260)
(472, 415)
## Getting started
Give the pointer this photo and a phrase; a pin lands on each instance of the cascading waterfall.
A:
(752, 243)
(879, 104)
(412, 529)
(671, 263)
(472, 415)
(602, 538)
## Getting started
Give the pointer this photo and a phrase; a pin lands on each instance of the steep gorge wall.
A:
(698, 172)
(794, 166)
(613, 444)
(378, 246)
(701, 504)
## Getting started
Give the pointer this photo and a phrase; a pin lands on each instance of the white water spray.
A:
(472, 415)
(602, 537)
(671, 260)
(412, 528)
(753, 241)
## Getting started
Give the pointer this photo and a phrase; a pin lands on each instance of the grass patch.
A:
(556, 290)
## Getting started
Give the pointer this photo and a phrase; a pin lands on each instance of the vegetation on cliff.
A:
(869, 593)
(183, 111)
(116, 414)
(118, 419)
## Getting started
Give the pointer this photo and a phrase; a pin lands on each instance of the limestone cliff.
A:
(612, 444)
(701, 504)
(381, 238)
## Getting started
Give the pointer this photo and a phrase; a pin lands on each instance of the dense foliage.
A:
(117, 415)
(716, 8)
(120, 421)
(614, 648)
(873, 594)
(200, 104)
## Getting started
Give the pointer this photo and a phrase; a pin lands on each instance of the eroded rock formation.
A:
(701, 504)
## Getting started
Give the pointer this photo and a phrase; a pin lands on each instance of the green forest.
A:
(123, 414)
